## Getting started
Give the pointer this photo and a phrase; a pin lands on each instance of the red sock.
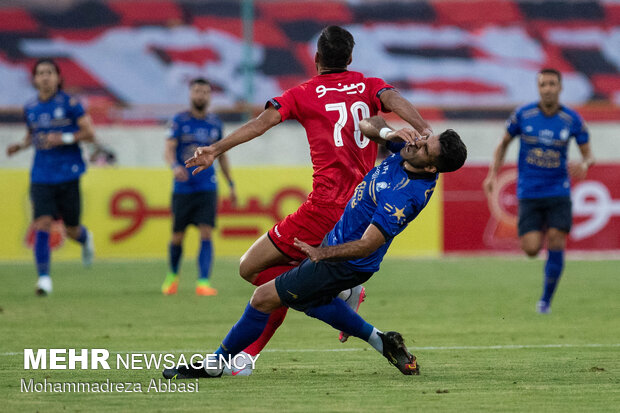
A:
(276, 318)
(271, 273)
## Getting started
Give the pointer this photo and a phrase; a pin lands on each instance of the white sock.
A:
(375, 341)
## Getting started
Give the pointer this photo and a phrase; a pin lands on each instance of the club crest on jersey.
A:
(564, 134)
(351, 89)
(381, 186)
(59, 113)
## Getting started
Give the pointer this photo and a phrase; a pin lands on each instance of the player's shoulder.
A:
(527, 111)
(214, 119)
(568, 113)
(31, 103)
(182, 117)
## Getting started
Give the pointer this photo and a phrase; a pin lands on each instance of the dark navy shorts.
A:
(314, 284)
(197, 208)
(58, 201)
(543, 213)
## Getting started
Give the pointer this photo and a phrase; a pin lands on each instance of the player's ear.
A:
(350, 60)
(431, 169)
(316, 58)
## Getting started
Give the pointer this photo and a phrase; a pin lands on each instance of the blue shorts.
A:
(543, 213)
(196, 208)
(314, 284)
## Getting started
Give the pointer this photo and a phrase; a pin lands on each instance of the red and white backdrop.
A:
(474, 223)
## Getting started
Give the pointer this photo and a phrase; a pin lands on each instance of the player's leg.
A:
(204, 217)
(559, 220)
(44, 209)
(531, 221)
(180, 220)
(70, 209)
(260, 257)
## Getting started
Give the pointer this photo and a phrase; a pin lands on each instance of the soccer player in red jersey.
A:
(329, 106)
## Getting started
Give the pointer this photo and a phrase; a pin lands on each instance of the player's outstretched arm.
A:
(377, 130)
(205, 155)
(393, 101)
(496, 164)
(371, 240)
(225, 165)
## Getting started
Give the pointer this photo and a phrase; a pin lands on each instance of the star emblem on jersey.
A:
(399, 213)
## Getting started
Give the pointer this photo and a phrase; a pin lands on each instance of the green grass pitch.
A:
(471, 322)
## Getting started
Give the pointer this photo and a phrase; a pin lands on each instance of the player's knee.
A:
(73, 232)
(259, 300)
(531, 250)
(43, 223)
(246, 271)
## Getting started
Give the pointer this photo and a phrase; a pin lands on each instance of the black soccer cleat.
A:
(396, 352)
(191, 372)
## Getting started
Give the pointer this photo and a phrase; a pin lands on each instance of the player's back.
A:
(330, 107)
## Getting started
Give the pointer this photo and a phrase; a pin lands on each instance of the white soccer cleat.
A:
(88, 250)
(353, 297)
(242, 366)
(543, 307)
(44, 285)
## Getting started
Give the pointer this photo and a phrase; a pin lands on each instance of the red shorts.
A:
(310, 223)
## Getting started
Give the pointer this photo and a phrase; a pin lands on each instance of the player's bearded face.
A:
(549, 88)
(200, 96)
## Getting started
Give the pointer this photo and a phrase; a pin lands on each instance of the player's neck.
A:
(45, 95)
(414, 172)
(549, 109)
(198, 114)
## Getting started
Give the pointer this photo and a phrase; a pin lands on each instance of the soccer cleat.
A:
(171, 284)
(357, 295)
(44, 285)
(242, 366)
(543, 307)
(203, 288)
(397, 354)
(183, 372)
(88, 250)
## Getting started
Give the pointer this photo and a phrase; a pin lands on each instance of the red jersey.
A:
(330, 107)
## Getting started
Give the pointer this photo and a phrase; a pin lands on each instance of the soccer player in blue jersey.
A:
(56, 124)
(543, 186)
(390, 197)
(194, 198)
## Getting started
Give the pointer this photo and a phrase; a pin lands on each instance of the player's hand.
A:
(180, 173)
(311, 252)
(578, 170)
(407, 135)
(52, 140)
(487, 185)
(13, 149)
(203, 158)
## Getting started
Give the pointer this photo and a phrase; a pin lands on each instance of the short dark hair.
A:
(335, 46)
(453, 152)
(49, 61)
(551, 71)
(199, 81)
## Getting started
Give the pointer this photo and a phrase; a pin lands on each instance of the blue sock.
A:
(83, 235)
(204, 259)
(340, 316)
(246, 331)
(553, 271)
(42, 252)
(175, 252)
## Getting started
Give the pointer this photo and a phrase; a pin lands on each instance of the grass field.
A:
(471, 323)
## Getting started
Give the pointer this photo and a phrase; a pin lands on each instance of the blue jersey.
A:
(390, 198)
(190, 133)
(62, 163)
(543, 153)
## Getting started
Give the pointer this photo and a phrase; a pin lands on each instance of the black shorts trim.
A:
(386, 235)
(313, 284)
(193, 209)
(278, 248)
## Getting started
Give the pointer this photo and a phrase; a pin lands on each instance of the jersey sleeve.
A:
(173, 129)
(393, 212)
(513, 124)
(219, 127)
(580, 131)
(394, 147)
(285, 104)
(75, 108)
(376, 87)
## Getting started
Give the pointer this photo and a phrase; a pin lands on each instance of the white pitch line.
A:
(329, 350)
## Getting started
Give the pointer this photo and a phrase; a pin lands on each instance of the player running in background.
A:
(194, 198)
(329, 106)
(543, 187)
(56, 123)
(384, 203)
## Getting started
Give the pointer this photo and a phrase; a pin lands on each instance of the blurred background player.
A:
(329, 106)
(354, 249)
(56, 122)
(194, 198)
(543, 188)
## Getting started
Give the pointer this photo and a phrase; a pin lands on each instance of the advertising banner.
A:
(474, 223)
(128, 211)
